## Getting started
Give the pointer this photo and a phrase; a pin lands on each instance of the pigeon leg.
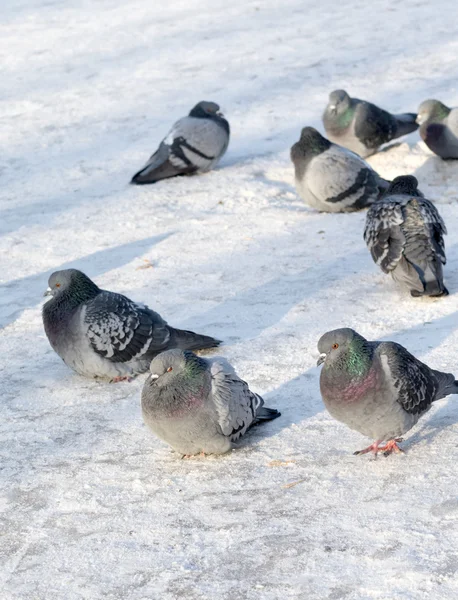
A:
(392, 446)
(372, 448)
(118, 379)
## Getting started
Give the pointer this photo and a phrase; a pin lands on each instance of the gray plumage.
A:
(404, 233)
(439, 128)
(193, 145)
(198, 405)
(361, 126)
(102, 334)
(330, 178)
(377, 388)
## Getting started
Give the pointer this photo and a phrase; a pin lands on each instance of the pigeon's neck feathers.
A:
(62, 306)
(194, 366)
(356, 361)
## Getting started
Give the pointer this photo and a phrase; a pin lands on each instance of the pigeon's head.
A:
(311, 143)
(430, 111)
(70, 279)
(335, 344)
(339, 102)
(165, 367)
(404, 184)
(205, 110)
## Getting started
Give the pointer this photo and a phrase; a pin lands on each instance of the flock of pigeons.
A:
(200, 405)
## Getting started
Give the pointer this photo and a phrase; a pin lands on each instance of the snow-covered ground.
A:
(92, 505)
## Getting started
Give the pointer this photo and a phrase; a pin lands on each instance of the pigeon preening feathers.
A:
(193, 145)
(102, 334)
(439, 128)
(361, 126)
(404, 233)
(377, 388)
(197, 405)
(330, 178)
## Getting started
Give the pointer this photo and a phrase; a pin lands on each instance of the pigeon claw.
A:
(118, 379)
(372, 448)
(390, 447)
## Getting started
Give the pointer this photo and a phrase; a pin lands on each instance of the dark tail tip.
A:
(137, 180)
(267, 414)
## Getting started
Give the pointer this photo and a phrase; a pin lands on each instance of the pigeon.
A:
(331, 178)
(193, 145)
(439, 128)
(361, 126)
(101, 334)
(377, 388)
(404, 233)
(197, 405)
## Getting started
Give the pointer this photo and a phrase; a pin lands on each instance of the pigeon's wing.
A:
(235, 404)
(435, 227)
(340, 176)
(383, 234)
(373, 125)
(199, 142)
(414, 384)
(121, 330)
(162, 165)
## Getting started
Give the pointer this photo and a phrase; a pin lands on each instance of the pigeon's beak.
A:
(154, 376)
(48, 292)
(419, 119)
(321, 360)
(219, 114)
(332, 107)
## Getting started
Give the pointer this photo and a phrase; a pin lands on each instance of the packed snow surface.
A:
(92, 505)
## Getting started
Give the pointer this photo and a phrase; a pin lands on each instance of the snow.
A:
(92, 505)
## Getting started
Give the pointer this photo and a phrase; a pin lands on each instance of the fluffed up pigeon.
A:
(439, 128)
(193, 145)
(404, 233)
(331, 178)
(103, 334)
(197, 405)
(361, 126)
(377, 388)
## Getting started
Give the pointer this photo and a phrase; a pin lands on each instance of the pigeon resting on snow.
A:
(103, 334)
(377, 388)
(197, 405)
(331, 178)
(439, 128)
(404, 233)
(193, 145)
(361, 126)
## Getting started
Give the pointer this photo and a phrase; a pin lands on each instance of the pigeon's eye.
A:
(335, 346)
(169, 369)
(57, 284)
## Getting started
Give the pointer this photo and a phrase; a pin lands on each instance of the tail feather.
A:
(267, 414)
(188, 340)
(159, 167)
(406, 124)
(447, 384)
(261, 412)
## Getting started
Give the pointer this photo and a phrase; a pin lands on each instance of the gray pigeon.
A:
(193, 145)
(102, 334)
(361, 126)
(331, 178)
(439, 128)
(377, 388)
(197, 405)
(404, 233)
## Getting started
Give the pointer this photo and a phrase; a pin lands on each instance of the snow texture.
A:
(92, 505)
